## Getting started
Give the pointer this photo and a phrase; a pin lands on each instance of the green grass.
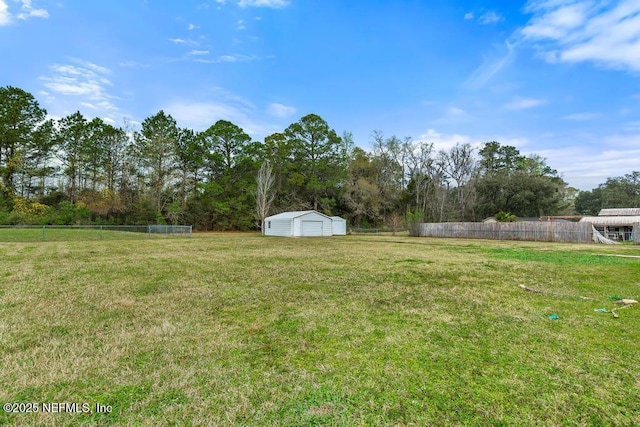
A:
(72, 234)
(236, 329)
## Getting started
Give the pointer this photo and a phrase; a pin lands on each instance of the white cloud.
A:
(99, 106)
(200, 115)
(524, 103)
(178, 40)
(584, 165)
(35, 13)
(490, 18)
(469, 15)
(587, 166)
(198, 52)
(241, 25)
(557, 23)
(228, 58)
(280, 110)
(192, 27)
(490, 67)
(519, 142)
(5, 16)
(447, 141)
(232, 58)
(623, 142)
(29, 12)
(263, 3)
(26, 11)
(84, 80)
(582, 116)
(132, 64)
(602, 32)
(455, 111)
(97, 68)
(443, 141)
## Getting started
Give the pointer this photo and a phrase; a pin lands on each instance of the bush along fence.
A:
(567, 232)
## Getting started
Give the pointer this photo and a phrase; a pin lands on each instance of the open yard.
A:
(237, 329)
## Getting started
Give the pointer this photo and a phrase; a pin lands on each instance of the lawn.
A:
(237, 329)
(34, 233)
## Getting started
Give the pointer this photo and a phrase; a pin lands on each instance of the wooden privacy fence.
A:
(569, 232)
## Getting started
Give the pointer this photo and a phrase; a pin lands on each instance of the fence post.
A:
(43, 232)
(100, 232)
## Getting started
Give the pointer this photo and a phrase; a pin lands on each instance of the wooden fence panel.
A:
(569, 232)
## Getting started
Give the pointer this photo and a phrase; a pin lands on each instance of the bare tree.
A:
(460, 166)
(264, 193)
(395, 222)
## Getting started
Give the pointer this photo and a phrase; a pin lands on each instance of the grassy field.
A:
(236, 329)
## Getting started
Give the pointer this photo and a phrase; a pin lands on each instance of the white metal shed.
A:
(298, 224)
(339, 226)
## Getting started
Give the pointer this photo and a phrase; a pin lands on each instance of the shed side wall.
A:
(278, 228)
(339, 227)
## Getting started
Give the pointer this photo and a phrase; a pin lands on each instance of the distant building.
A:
(304, 224)
(620, 212)
(615, 224)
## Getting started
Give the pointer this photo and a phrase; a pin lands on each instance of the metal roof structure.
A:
(612, 220)
(291, 215)
(620, 212)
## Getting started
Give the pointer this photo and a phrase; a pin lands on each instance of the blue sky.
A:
(560, 78)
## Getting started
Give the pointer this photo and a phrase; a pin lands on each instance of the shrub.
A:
(505, 217)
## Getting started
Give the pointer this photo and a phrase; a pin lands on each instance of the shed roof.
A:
(620, 212)
(612, 220)
(294, 214)
(337, 218)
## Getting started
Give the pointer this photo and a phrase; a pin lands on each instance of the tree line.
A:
(81, 170)
(616, 192)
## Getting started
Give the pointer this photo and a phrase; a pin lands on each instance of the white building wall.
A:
(288, 225)
(282, 227)
(339, 226)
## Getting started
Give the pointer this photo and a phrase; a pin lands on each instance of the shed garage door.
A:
(312, 228)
